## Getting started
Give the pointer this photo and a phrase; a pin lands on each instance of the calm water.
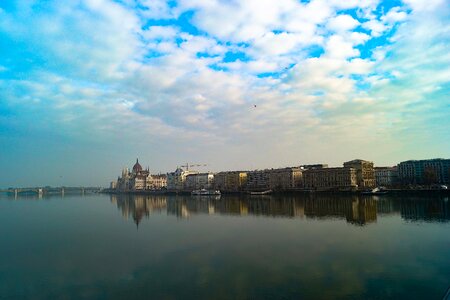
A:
(290, 247)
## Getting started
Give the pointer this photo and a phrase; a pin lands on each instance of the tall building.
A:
(386, 176)
(139, 180)
(176, 180)
(330, 179)
(220, 180)
(427, 171)
(123, 181)
(156, 182)
(231, 181)
(364, 172)
(258, 180)
(199, 181)
(285, 178)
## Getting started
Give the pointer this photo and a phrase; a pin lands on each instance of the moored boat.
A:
(376, 191)
(267, 192)
(205, 192)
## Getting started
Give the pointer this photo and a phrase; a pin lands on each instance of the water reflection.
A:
(139, 206)
(353, 209)
(356, 210)
(293, 247)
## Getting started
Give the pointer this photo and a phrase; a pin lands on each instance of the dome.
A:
(137, 167)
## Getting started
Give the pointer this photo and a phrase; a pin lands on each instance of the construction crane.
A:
(192, 165)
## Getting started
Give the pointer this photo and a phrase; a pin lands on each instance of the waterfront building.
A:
(427, 171)
(364, 172)
(123, 181)
(199, 181)
(285, 178)
(330, 179)
(176, 180)
(139, 180)
(138, 177)
(156, 182)
(236, 181)
(231, 181)
(258, 180)
(386, 176)
(220, 181)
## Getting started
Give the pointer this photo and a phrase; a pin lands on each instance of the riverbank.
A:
(288, 192)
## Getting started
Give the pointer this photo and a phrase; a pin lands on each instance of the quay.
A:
(283, 192)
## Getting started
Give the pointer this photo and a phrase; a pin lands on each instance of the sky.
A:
(88, 86)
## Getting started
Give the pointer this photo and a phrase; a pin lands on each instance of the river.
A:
(231, 247)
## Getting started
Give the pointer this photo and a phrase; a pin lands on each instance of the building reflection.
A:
(416, 208)
(354, 209)
(138, 206)
(421, 209)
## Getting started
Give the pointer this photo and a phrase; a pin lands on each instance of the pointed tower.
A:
(137, 167)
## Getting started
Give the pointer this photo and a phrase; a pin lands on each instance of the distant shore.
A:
(288, 192)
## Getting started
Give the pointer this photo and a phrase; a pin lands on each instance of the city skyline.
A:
(88, 86)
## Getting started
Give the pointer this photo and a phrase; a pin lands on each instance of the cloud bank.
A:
(237, 84)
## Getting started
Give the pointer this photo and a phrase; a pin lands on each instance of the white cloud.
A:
(342, 23)
(430, 5)
(361, 4)
(121, 79)
(358, 38)
(277, 44)
(377, 28)
(359, 66)
(156, 9)
(394, 15)
(338, 47)
(161, 33)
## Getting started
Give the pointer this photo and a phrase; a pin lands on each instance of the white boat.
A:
(375, 191)
(205, 192)
(268, 192)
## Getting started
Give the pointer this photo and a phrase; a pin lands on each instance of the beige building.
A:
(285, 178)
(232, 181)
(330, 179)
(176, 180)
(123, 181)
(364, 172)
(134, 180)
(139, 180)
(199, 181)
(156, 182)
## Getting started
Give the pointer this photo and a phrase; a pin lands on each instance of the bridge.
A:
(41, 191)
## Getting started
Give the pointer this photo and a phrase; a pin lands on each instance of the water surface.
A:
(264, 247)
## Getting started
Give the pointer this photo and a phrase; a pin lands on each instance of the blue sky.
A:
(87, 86)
